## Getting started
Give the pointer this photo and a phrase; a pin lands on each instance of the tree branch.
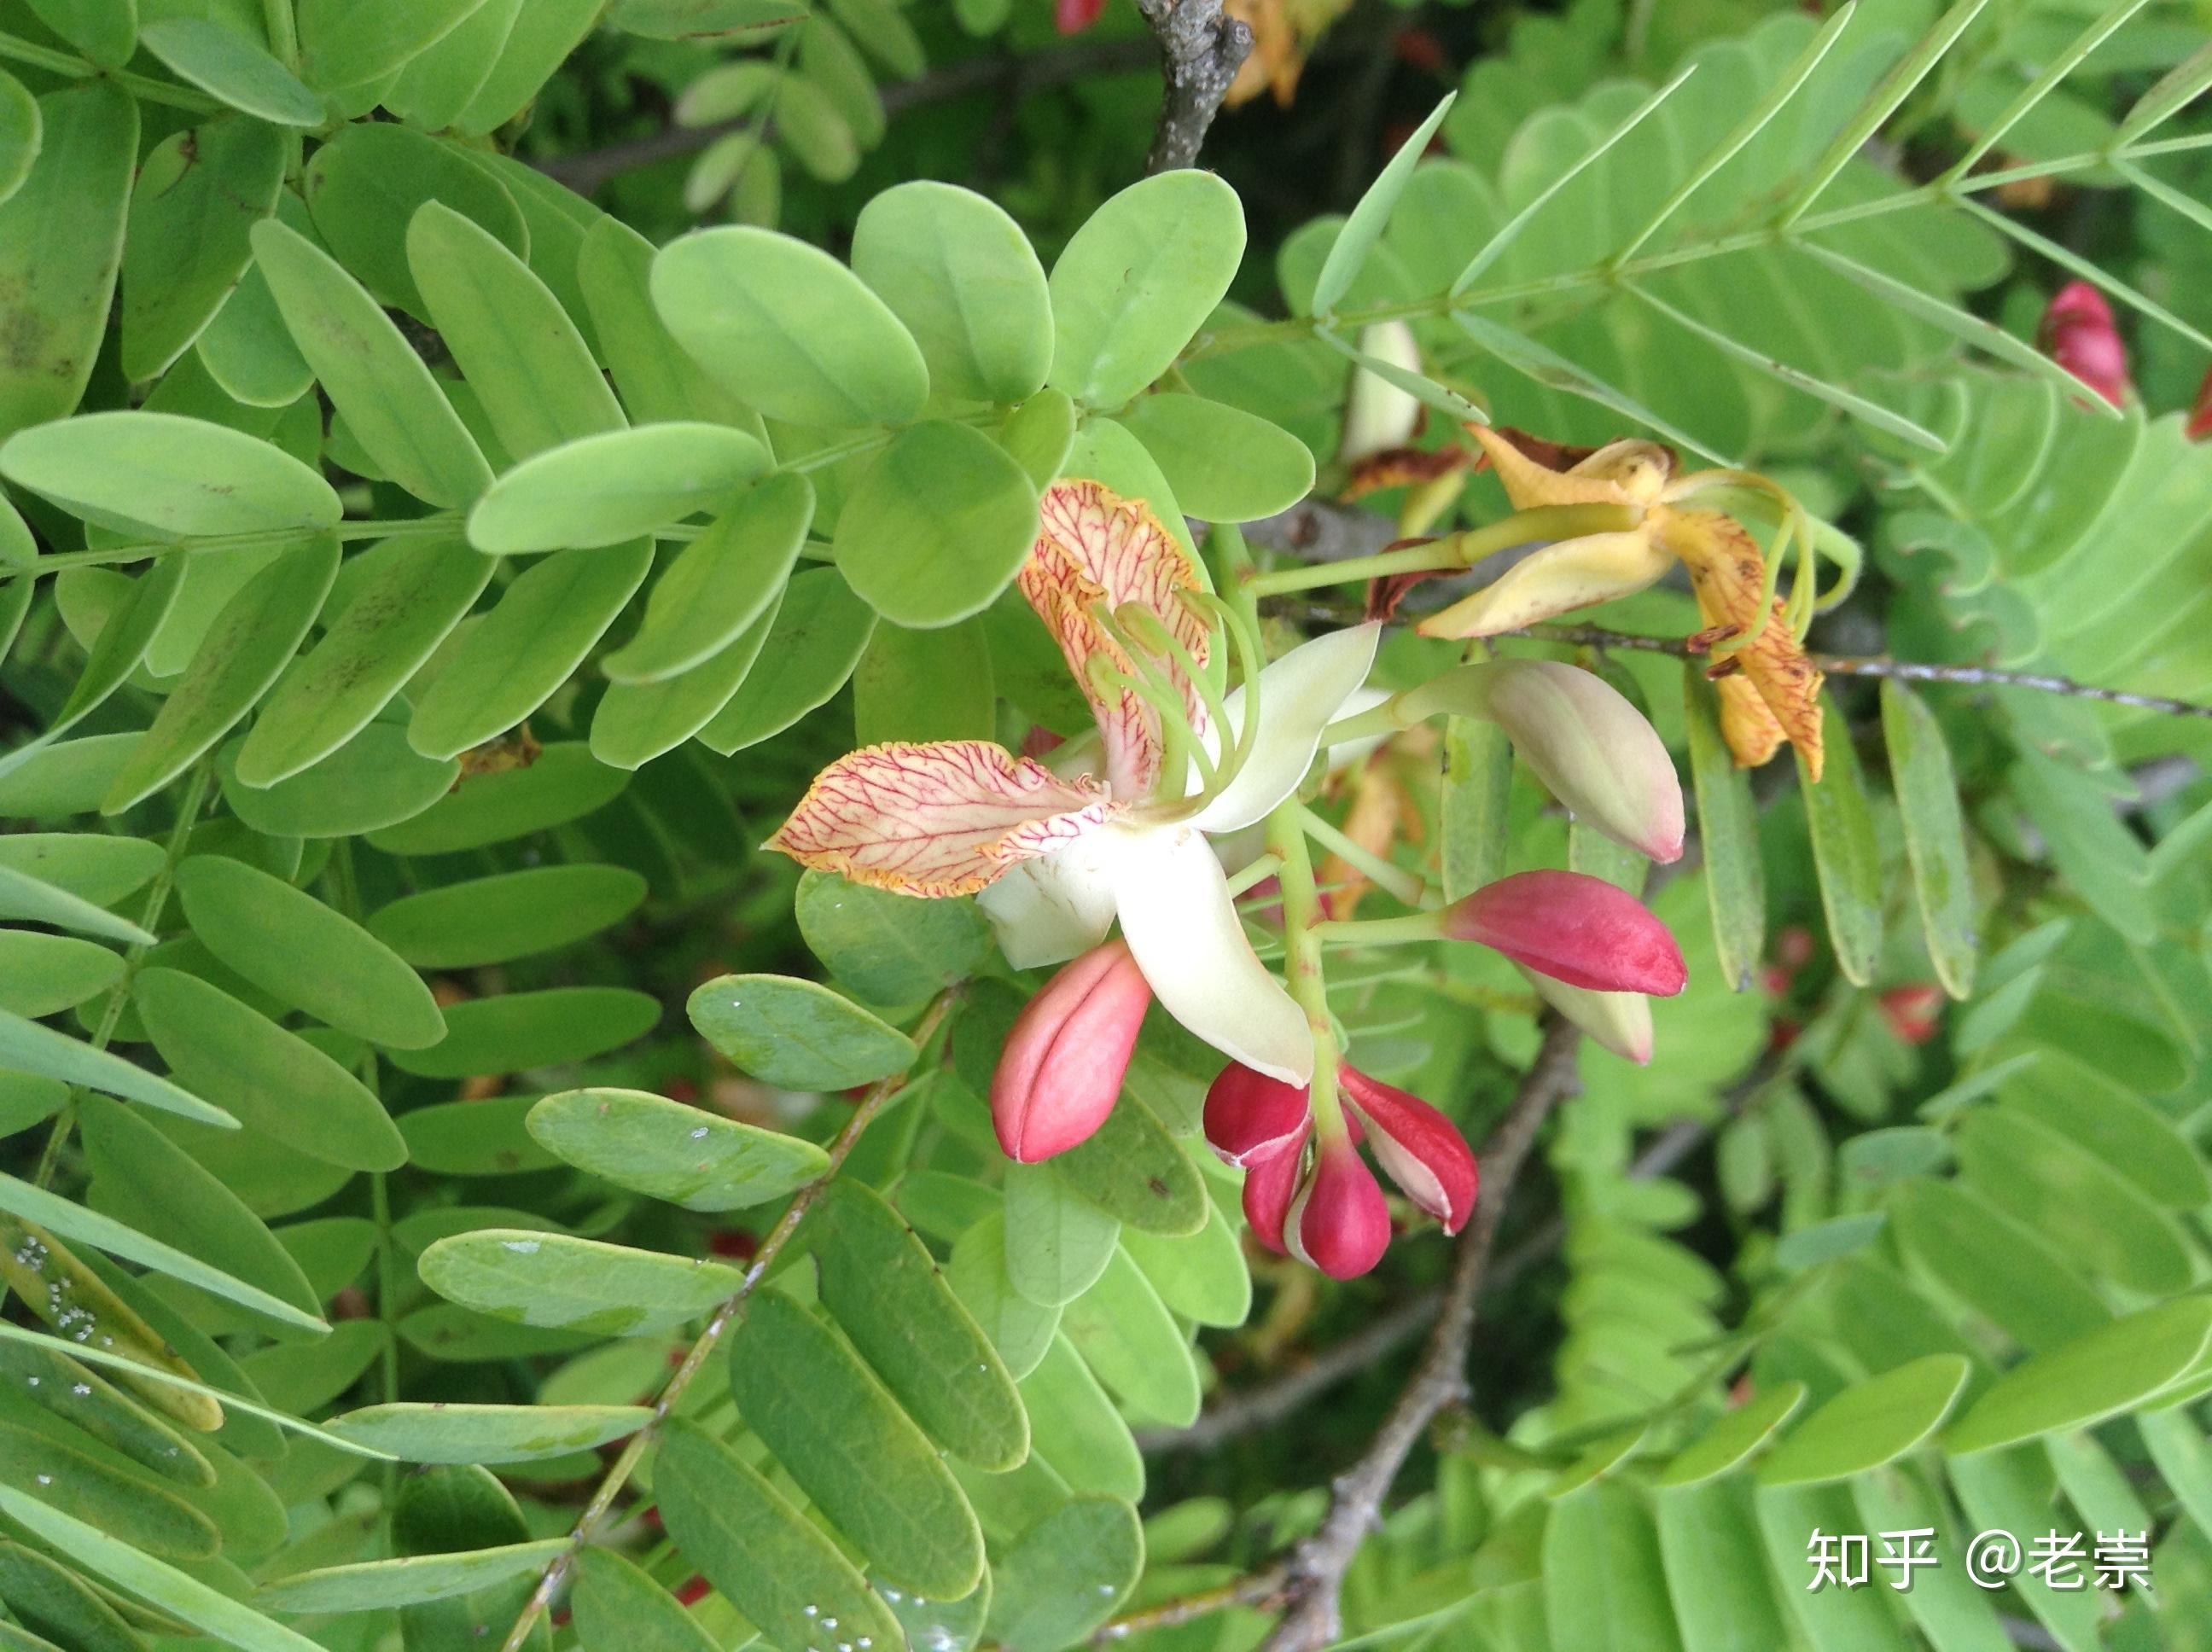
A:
(1201, 49)
(1317, 1567)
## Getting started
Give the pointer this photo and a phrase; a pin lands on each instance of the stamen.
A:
(1179, 741)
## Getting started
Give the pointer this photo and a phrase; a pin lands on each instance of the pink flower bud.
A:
(1270, 1183)
(1424, 1153)
(2078, 333)
(1250, 1117)
(1062, 1064)
(2200, 416)
(1073, 16)
(1337, 1222)
(1593, 750)
(1573, 928)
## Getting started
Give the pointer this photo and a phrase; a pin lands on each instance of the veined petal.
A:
(1094, 547)
(1049, 909)
(1178, 918)
(1728, 575)
(1751, 730)
(942, 818)
(1569, 574)
(1300, 695)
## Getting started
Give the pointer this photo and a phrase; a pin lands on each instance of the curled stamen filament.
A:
(1179, 741)
(1246, 646)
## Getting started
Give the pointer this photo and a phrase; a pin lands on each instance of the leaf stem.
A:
(80, 69)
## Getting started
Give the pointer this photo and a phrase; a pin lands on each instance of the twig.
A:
(587, 172)
(1201, 49)
(617, 1476)
(1317, 1566)
(1258, 1589)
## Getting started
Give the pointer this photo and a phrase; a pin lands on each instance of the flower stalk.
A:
(1455, 551)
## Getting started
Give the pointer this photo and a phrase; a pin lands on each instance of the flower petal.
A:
(1178, 918)
(1620, 1021)
(1728, 573)
(1270, 1184)
(1569, 574)
(1250, 1116)
(1337, 1222)
(1059, 1072)
(1529, 481)
(1422, 1151)
(1094, 547)
(1049, 909)
(1573, 928)
(1594, 750)
(1377, 415)
(942, 818)
(1300, 695)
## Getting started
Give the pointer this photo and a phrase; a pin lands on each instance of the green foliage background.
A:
(420, 595)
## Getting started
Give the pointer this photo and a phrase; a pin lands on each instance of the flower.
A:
(1574, 928)
(2078, 333)
(1769, 689)
(1061, 1069)
(1073, 16)
(1325, 1207)
(1056, 853)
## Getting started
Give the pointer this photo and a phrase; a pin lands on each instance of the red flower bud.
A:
(1911, 1011)
(1269, 1185)
(1061, 1068)
(1573, 928)
(1250, 1117)
(1337, 1222)
(1424, 1153)
(2077, 332)
(1073, 16)
(2200, 416)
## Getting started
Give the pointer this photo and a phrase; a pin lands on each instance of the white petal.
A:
(1180, 922)
(1047, 910)
(1300, 695)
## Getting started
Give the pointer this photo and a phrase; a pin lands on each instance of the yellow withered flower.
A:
(1769, 691)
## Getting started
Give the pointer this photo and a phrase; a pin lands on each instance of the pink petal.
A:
(1250, 1116)
(1269, 1186)
(1337, 1222)
(1574, 927)
(1061, 1068)
(1422, 1151)
(943, 818)
(1094, 547)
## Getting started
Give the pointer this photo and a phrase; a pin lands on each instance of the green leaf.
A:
(1200, 1276)
(938, 526)
(670, 1150)
(199, 193)
(962, 277)
(881, 1285)
(407, 595)
(1831, 1619)
(20, 134)
(51, 1598)
(302, 953)
(35, 1459)
(74, 1222)
(152, 1581)
(1841, 824)
(1997, 1265)
(1542, 365)
(43, 975)
(375, 780)
(516, 347)
(1124, 1333)
(720, 583)
(1057, 1244)
(227, 65)
(636, 722)
(1068, 1573)
(173, 478)
(507, 916)
(273, 1081)
(1224, 464)
(1075, 1429)
(1955, 1612)
(252, 639)
(925, 685)
(615, 1604)
(371, 1585)
(526, 647)
(1935, 834)
(797, 1034)
(2076, 1384)
(2103, 1118)
(1019, 1328)
(818, 635)
(787, 329)
(390, 402)
(29, 1047)
(657, 381)
(542, 37)
(1604, 1585)
(345, 43)
(1727, 826)
(1868, 1422)
(1132, 1170)
(888, 948)
(1347, 254)
(465, 1138)
(774, 1567)
(550, 1279)
(1715, 1575)
(603, 489)
(553, 1027)
(859, 1458)
(564, 784)
(1138, 280)
(126, 635)
(1039, 434)
(365, 186)
(61, 244)
(2011, 1491)
(2071, 1197)
(33, 900)
(90, 865)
